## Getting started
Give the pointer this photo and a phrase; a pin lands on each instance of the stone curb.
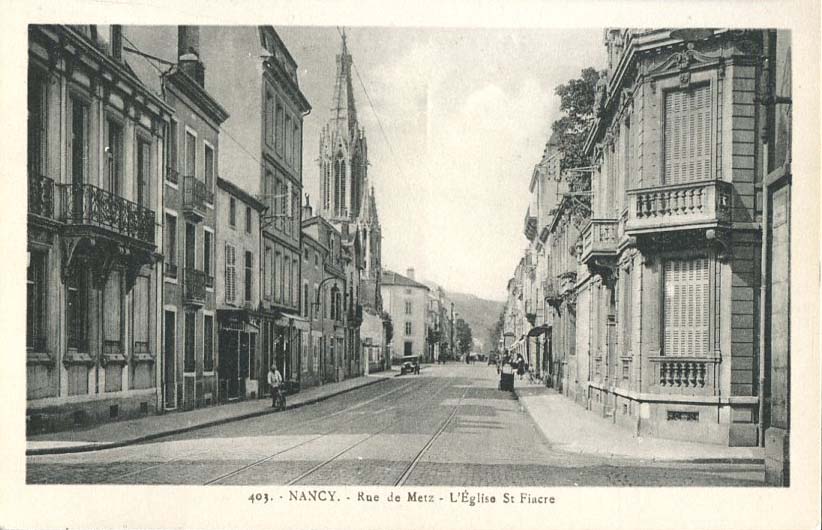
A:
(171, 432)
(558, 448)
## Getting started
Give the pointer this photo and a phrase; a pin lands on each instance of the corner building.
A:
(668, 288)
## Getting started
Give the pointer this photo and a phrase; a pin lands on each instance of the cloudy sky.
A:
(466, 113)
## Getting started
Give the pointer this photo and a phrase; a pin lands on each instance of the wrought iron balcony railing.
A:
(172, 175)
(704, 204)
(41, 195)
(599, 239)
(194, 195)
(88, 205)
(194, 285)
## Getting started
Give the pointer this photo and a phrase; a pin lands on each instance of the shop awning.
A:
(293, 320)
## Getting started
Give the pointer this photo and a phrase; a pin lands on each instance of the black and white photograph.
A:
(366, 267)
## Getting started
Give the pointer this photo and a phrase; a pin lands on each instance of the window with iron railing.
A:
(36, 301)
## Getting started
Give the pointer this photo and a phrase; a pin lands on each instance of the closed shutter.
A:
(230, 274)
(688, 135)
(686, 307)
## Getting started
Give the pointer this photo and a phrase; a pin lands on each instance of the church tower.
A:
(346, 197)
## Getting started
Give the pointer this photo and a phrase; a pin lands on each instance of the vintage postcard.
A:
(402, 267)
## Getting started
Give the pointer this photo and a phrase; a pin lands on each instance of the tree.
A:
(577, 98)
(388, 325)
(497, 330)
(463, 336)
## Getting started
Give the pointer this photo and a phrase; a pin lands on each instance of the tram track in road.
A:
(330, 432)
(411, 465)
(291, 428)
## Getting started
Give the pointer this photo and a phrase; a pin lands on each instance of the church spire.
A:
(343, 109)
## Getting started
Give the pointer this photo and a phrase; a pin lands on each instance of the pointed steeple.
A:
(343, 109)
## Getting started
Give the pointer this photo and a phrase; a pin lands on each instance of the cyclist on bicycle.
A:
(275, 379)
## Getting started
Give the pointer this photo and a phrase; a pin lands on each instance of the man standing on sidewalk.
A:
(274, 381)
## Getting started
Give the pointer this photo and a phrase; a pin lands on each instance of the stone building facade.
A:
(406, 300)
(95, 153)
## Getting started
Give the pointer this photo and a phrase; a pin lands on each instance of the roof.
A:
(241, 194)
(393, 278)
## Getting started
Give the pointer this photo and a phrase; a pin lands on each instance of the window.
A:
(78, 141)
(112, 316)
(687, 135)
(143, 172)
(287, 294)
(408, 291)
(627, 310)
(141, 307)
(37, 119)
(269, 119)
(249, 267)
(304, 308)
(209, 169)
(686, 307)
(36, 302)
(77, 308)
(114, 161)
(279, 138)
(278, 274)
(268, 191)
(171, 149)
(230, 274)
(408, 348)
(191, 246)
(208, 256)
(189, 331)
(248, 219)
(297, 146)
(232, 212)
(407, 307)
(191, 155)
(288, 140)
(267, 273)
(171, 246)
(408, 328)
(208, 343)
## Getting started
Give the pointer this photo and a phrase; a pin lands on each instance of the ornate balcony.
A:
(694, 205)
(41, 195)
(194, 198)
(684, 375)
(530, 225)
(599, 240)
(85, 207)
(567, 282)
(172, 175)
(194, 287)
(551, 293)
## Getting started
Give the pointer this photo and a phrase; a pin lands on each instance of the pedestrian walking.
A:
(520, 366)
(275, 380)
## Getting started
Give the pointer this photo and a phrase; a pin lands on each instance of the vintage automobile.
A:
(410, 364)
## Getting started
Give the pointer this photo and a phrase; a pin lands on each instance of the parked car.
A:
(410, 365)
(492, 358)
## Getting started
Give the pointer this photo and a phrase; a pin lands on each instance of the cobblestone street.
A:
(449, 426)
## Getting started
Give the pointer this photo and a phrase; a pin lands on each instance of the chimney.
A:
(308, 212)
(188, 53)
(410, 273)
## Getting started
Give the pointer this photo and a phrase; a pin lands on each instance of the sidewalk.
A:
(570, 428)
(128, 432)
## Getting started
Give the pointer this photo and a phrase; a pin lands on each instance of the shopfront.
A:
(239, 373)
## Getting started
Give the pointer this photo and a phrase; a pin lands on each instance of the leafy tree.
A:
(577, 98)
(496, 331)
(388, 325)
(463, 336)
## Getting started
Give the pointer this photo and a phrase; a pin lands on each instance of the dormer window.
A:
(109, 39)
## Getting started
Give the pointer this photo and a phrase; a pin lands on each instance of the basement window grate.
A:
(681, 415)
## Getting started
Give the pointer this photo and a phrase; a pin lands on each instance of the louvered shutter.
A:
(686, 307)
(230, 274)
(688, 135)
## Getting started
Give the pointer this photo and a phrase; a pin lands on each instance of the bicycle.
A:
(279, 399)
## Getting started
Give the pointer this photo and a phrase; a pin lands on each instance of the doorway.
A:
(169, 380)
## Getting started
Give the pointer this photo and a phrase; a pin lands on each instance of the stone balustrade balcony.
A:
(599, 239)
(693, 205)
(684, 375)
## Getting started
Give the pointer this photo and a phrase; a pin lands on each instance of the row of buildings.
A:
(172, 254)
(656, 293)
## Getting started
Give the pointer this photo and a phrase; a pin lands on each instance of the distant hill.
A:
(481, 314)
